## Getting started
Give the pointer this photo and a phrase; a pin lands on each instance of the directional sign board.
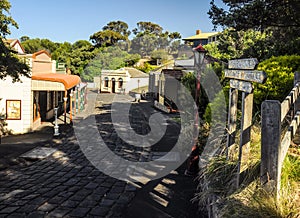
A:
(246, 64)
(241, 85)
(247, 75)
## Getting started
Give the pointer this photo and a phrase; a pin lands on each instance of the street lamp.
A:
(193, 161)
(2, 118)
(56, 127)
(71, 106)
(65, 109)
(199, 53)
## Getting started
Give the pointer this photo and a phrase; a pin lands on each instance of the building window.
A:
(106, 82)
(120, 82)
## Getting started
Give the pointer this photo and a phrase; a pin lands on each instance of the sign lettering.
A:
(247, 75)
(246, 64)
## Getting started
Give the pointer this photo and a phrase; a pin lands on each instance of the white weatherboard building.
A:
(122, 80)
(24, 105)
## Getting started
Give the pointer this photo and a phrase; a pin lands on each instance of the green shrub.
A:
(147, 67)
(280, 71)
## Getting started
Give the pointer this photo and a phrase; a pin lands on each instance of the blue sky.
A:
(72, 20)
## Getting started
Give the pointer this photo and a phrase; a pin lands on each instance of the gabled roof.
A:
(41, 52)
(201, 36)
(12, 43)
(186, 64)
(135, 73)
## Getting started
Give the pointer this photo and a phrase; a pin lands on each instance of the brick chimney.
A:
(198, 32)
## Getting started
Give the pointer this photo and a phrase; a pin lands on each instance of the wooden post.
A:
(297, 103)
(270, 144)
(232, 112)
(242, 74)
(65, 107)
(71, 107)
(246, 122)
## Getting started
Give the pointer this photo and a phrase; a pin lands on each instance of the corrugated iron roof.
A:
(201, 36)
(135, 73)
(69, 81)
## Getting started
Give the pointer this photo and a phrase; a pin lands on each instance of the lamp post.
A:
(193, 161)
(65, 110)
(56, 127)
(75, 105)
(199, 53)
(2, 118)
(71, 103)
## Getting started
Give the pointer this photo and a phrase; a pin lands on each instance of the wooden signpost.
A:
(242, 73)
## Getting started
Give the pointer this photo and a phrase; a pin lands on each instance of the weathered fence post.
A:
(270, 144)
(273, 149)
(246, 122)
(232, 113)
(241, 73)
(297, 103)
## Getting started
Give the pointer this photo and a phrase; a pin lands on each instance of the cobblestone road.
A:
(66, 184)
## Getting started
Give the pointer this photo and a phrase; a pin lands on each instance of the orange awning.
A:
(69, 81)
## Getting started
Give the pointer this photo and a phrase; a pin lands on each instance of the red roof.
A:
(41, 52)
(199, 48)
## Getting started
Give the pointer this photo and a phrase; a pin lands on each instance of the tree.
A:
(119, 27)
(240, 44)
(5, 19)
(110, 58)
(34, 45)
(150, 36)
(144, 28)
(278, 19)
(106, 38)
(256, 14)
(111, 34)
(160, 54)
(144, 44)
(10, 64)
(24, 38)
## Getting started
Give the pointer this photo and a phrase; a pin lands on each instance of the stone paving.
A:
(63, 185)
(66, 184)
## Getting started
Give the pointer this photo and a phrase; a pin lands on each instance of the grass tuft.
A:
(216, 187)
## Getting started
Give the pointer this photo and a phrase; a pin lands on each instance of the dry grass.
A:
(216, 187)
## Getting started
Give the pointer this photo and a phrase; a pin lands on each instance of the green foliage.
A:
(144, 45)
(189, 81)
(146, 28)
(160, 54)
(150, 37)
(256, 14)
(291, 170)
(241, 44)
(110, 58)
(34, 45)
(278, 22)
(5, 19)
(119, 27)
(106, 38)
(217, 183)
(146, 67)
(217, 107)
(111, 34)
(280, 72)
(10, 63)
